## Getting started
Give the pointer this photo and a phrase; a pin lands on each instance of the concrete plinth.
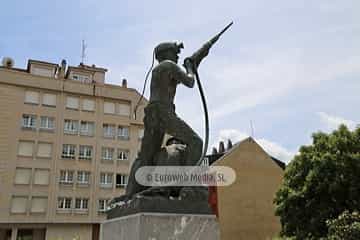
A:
(161, 226)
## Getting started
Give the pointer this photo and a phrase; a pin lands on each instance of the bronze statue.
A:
(160, 116)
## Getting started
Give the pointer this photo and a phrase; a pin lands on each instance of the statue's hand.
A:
(180, 147)
(176, 148)
(189, 65)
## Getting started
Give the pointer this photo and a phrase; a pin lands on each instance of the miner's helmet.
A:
(173, 140)
(165, 46)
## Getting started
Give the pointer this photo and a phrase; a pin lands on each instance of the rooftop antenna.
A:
(83, 49)
(252, 129)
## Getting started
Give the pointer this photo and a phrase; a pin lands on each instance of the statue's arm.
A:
(187, 78)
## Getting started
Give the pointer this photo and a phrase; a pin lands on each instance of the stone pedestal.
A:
(161, 226)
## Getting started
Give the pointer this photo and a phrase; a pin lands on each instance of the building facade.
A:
(245, 208)
(67, 141)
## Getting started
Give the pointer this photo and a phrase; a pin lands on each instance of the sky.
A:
(284, 70)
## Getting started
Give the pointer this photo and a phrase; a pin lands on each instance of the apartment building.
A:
(67, 140)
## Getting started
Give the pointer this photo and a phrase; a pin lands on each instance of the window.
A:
(72, 102)
(123, 133)
(47, 123)
(68, 151)
(49, 100)
(121, 180)
(87, 128)
(81, 203)
(108, 130)
(66, 176)
(205, 161)
(29, 121)
(25, 148)
(44, 150)
(64, 203)
(88, 105)
(71, 126)
(122, 154)
(103, 204)
(18, 204)
(22, 175)
(39, 204)
(106, 180)
(109, 107)
(41, 176)
(107, 153)
(85, 152)
(45, 72)
(81, 78)
(124, 109)
(141, 133)
(24, 234)
(31, 97)
(83, 177)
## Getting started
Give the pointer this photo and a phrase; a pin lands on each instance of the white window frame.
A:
(122, 154)
(87, 128)
(26, 198)
(42, 71)
(28, 179)
(121, 107)
(123, 180)
(72, 107)
(38, 198)
(85, 152)
(32, 148)
(48, 104)
(71, 126)
(83, 177)
(66, 177)
(26, 100)
(81, 204)
(64, 203)
(123, 133)
(29, 121)
(108, 180)
(107, 153)
(205, 162)
(37, 170)
(103, 205)
(109, 130)
(47, 123)
(81, 78)
(68, 151)
(141, 133)
(83, 108)
(113, 107)
(44, 143)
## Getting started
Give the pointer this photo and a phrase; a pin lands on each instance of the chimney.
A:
(221, 147)
(62, 69)
(8, 62)
(214, 151)
(124, 83)
(229, 145)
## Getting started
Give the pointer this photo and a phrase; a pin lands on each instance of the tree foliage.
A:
(321, 182)
(346, 226)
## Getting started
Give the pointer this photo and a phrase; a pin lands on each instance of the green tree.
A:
(321, 182)
(346, 226)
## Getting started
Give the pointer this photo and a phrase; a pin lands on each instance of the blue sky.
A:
(290, 67)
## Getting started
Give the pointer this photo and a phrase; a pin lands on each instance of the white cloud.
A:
(332, 122)
(272, 148)
(276, 150)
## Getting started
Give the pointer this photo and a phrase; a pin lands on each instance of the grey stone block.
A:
(161, 226)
